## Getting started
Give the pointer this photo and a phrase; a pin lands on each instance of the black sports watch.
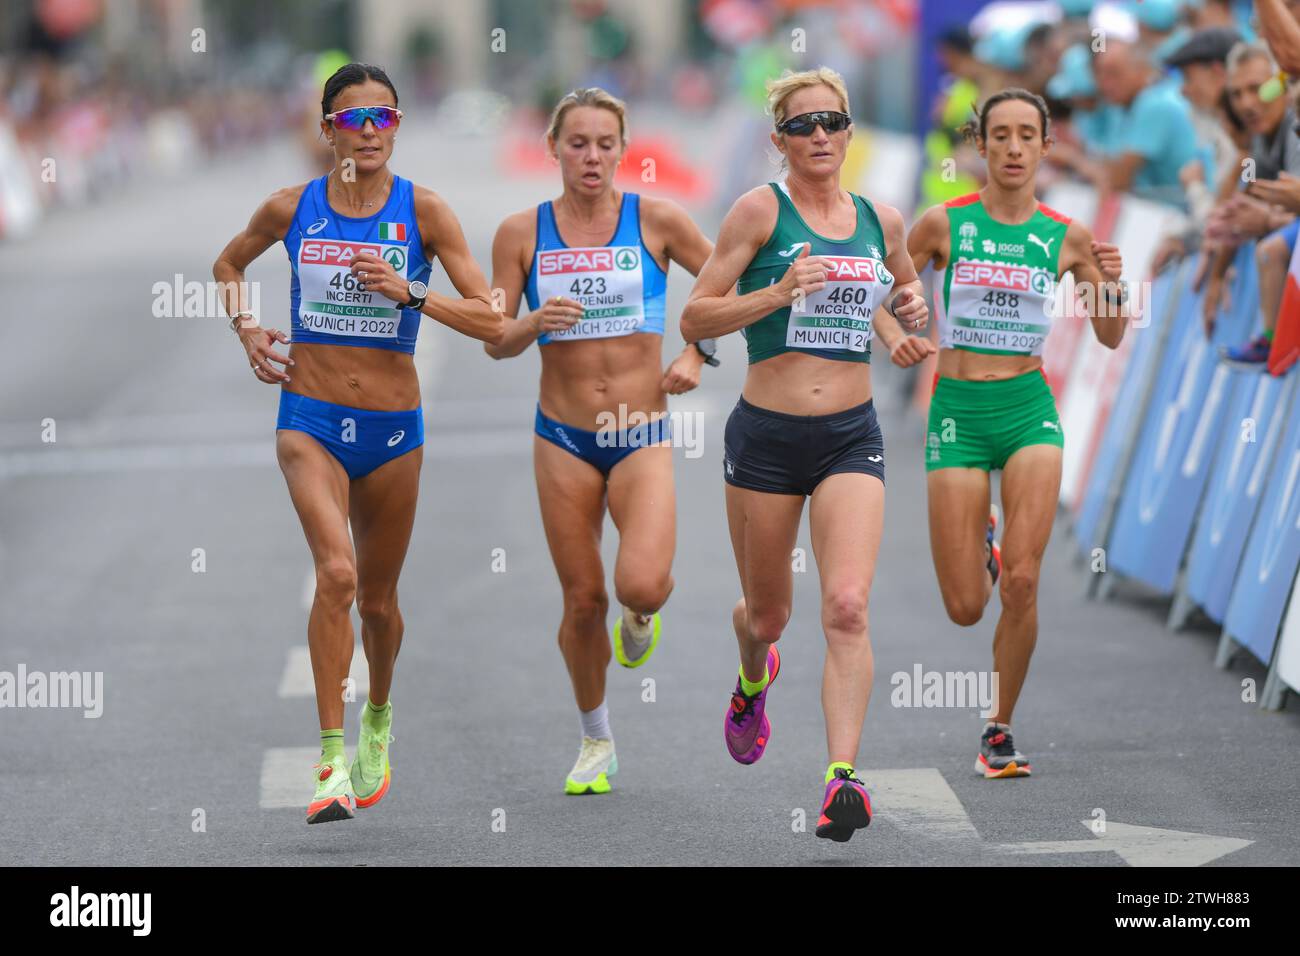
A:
(418, 292)
(709, 349)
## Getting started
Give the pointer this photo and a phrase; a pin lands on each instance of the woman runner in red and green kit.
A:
(1001, 253)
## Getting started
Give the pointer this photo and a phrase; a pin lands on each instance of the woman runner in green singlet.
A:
(1001, 253)
(813, 265)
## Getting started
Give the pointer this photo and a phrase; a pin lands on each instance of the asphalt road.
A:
(164, 445)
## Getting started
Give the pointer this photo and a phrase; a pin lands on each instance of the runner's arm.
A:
(471, 314)
(267, 227)
(901, 264)
(685, 245)
(508, 278)
(713, 308)
(927, 242)
(1086, 259)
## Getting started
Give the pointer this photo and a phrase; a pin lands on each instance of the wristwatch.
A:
(709, 349)
(418, 292)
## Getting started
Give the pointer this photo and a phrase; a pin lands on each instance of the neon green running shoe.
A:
(333, 800)
(640, 642)
(371, 771)
(596, 764)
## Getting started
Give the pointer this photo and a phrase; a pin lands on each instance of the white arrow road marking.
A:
(1141, 846)
(297, 679)
(919, 801)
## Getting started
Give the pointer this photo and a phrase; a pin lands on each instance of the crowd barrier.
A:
(1181, 472)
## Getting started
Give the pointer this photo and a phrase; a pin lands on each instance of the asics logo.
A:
(1045, 246)
(792, 251)
(397, 436)
(317, 226)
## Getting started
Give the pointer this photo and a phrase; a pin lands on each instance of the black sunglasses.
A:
(804, 124)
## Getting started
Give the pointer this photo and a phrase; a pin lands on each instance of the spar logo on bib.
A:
(396, 258)
(993, 276)
(627, 259)
(338, 252)
(852, 269)
(577, 260)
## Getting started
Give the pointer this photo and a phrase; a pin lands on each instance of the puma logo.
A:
(1052, 425)
(1045, 246)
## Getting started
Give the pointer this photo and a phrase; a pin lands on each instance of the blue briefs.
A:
(602, 450)
(360, 439)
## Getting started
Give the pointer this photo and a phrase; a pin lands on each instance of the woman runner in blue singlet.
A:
(361, 242)
(593, 265)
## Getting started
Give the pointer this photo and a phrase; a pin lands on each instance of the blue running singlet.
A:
(620, 284)
(325, 304)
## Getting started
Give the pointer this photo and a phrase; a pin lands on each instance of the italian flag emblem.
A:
(392, 231)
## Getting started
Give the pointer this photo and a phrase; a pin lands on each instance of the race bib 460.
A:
(838, 316)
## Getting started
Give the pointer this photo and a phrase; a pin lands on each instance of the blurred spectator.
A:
(1158, 25)
(1203, 14)
(1089, 119)
(1153, 137)
(1000, 59)
(1274, 146)
(1074, 27)
(1043, 45)
(1272, 260)
(951, 163)
(1202, 60)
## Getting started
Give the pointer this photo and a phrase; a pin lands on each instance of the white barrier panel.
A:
(1096, 372)
(19, 208)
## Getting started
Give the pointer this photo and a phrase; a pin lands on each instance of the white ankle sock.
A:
(595, 723)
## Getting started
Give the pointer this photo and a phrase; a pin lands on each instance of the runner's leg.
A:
(846, 518)
(1031, 483)
(572, 497)
(642, 502)
(959, 515)
(383, 514)
(318, 486)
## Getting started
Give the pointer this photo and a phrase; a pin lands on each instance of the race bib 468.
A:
(332, 302)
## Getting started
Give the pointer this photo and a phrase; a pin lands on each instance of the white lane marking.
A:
(143, 429)
(919, 801)
(94, 461)
(286, 777)
(297, 679)
(1141, 846)
(456, 445)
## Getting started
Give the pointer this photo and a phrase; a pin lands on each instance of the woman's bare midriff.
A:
(584, 378)
(978, 367)
(807, 384)
(374, 379)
